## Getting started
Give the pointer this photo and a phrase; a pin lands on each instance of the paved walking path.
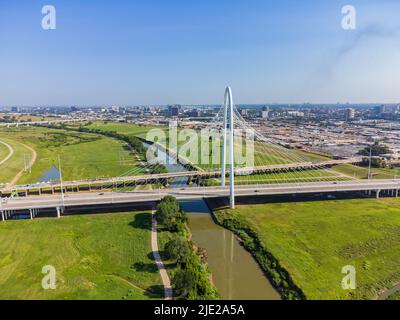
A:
(10, 154)
(156, 254)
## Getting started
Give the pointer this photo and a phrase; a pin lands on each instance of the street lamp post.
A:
(369, 166)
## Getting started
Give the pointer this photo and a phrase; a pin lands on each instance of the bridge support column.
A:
(58, 212)
(3, 218)
(31, 213)
(377, 193)
(397, 193)
(228, 104)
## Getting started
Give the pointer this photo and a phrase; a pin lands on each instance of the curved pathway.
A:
(10, 154)
(385, 294)
(31, 162)
(156, 254)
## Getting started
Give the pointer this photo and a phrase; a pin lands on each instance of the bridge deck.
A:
(87, 199)
(171, 175)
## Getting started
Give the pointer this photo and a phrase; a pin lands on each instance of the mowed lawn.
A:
(122, 128)
(315, 240)
(196, 152)
(106, 256)
(3, 151)
(16, 163)
(362, 172)
(83, 156)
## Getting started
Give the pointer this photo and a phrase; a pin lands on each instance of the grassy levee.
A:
(83, 155)
(16, 163)
(3, 151)
(195, 154)
(314, 240)
(261, 155)
(24, 118)
(122, 128)
(105, 256)
(362, 172)
(286, 177)
(277, 274)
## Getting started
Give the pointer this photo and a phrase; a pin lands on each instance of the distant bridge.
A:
(171, 175)
(32, 123)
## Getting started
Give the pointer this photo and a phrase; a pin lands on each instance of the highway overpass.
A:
(107, 198)
(33, 123)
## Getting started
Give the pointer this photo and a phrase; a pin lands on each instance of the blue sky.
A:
(187, 51)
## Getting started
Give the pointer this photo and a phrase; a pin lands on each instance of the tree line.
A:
(191, 281)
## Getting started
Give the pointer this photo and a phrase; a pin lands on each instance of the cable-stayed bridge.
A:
(153, 178)
(272, 169)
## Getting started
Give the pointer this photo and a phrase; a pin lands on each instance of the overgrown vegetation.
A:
(134, 142)
(376, 149)
(278, 275)
(192, 279)
(314, 240)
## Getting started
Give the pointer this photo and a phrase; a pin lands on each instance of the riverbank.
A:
(235, 273)
(190, 276)
(314, 240)
(278, 276)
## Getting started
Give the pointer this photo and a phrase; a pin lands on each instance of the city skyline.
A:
(131, 53)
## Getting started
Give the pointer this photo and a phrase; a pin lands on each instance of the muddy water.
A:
(235, 272)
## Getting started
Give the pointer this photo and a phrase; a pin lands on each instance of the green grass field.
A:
(288, 177)
(13, 165)
(264, 154)
(314, 240)
(362, 172)
(122, 128)
(82, 155)
(105, 256)
(3, 151)
(25, 117)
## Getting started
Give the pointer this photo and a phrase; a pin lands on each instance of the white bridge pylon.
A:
(228, 124)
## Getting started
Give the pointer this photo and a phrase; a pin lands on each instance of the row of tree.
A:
(132, 141)
(375, 151)
(191, 281)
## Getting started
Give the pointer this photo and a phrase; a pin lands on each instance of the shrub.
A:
(178, 249)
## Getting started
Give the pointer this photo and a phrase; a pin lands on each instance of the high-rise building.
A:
(265, 113)
(174, 110)
(244, 112)
(350, 113)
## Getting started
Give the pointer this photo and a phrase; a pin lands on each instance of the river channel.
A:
(235, 272)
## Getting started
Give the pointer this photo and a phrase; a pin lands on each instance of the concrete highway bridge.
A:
(88, 184)
(33, 204)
